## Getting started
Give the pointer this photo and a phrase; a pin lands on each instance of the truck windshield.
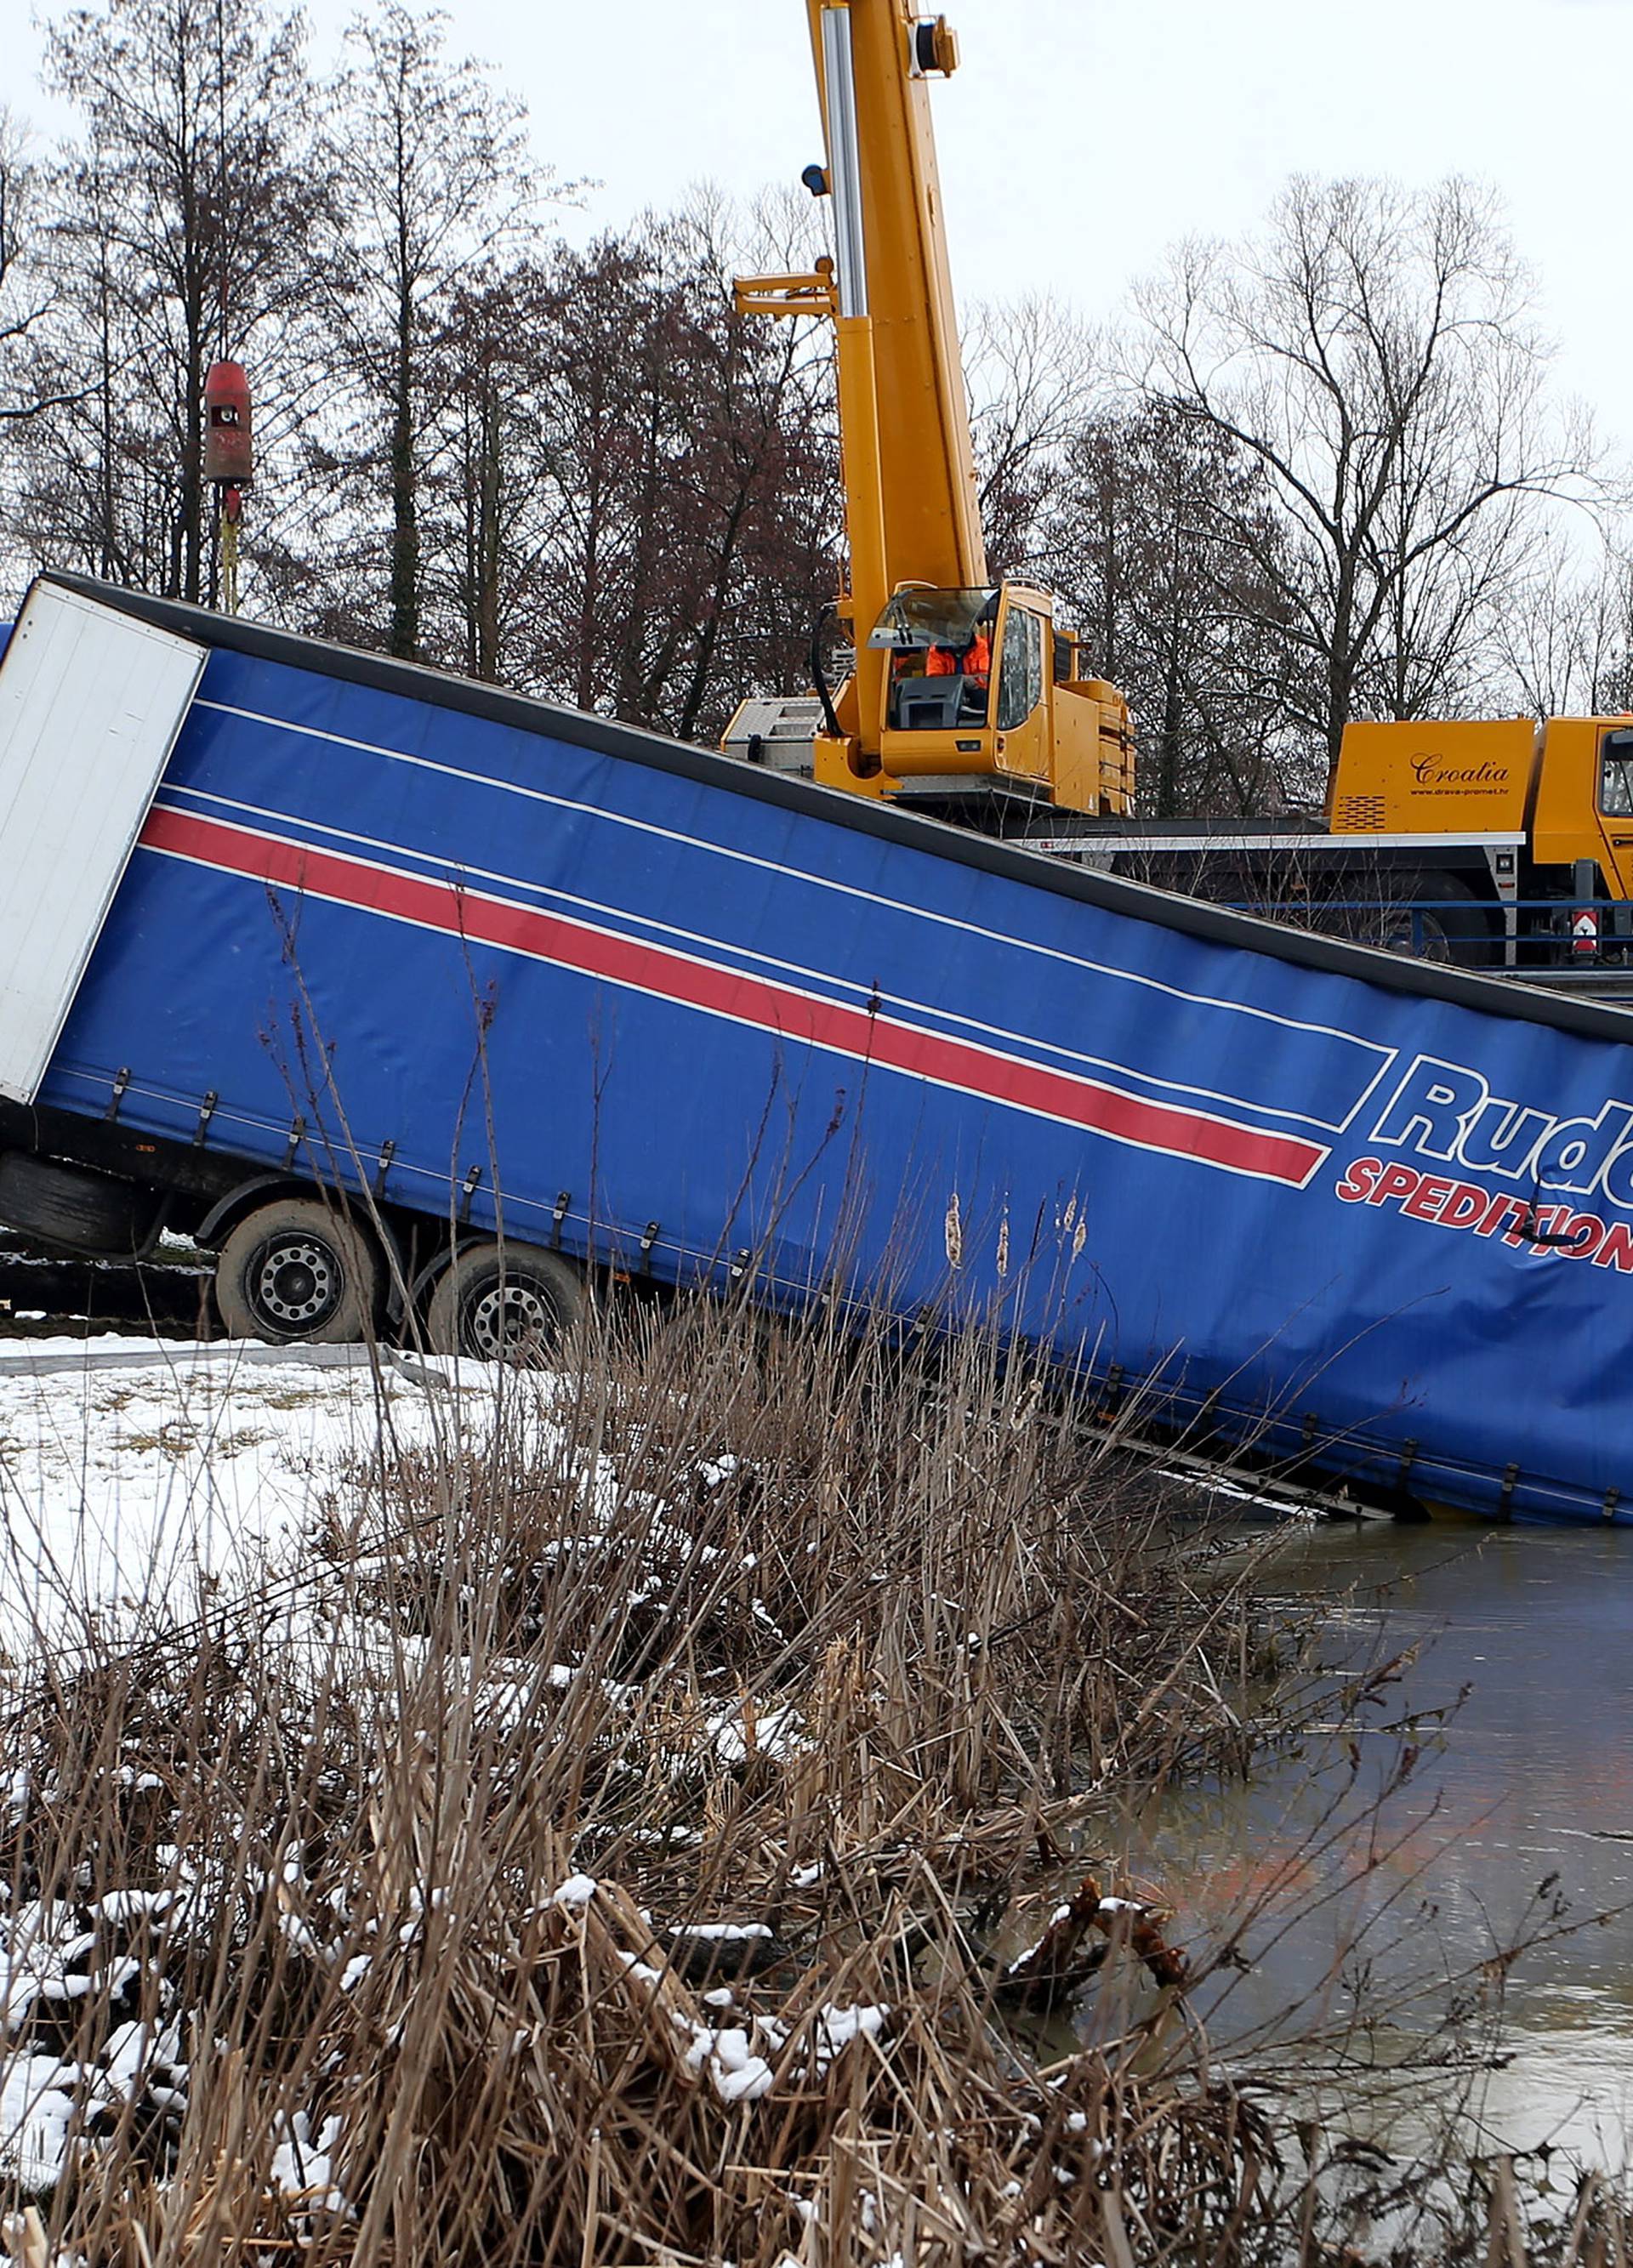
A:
(915, 620)
(941, 647)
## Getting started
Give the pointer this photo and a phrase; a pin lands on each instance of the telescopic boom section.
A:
(931, 519)
(965, 693)
(910, 507)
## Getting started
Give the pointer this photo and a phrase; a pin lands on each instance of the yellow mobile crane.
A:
(967, 695)
(1494, 844)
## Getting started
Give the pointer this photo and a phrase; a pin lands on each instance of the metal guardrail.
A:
(1612, 984)
(1581, 973)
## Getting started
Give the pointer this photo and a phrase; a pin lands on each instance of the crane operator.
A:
(973, 661)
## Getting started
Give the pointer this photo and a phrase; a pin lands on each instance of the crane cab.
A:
(983, 697)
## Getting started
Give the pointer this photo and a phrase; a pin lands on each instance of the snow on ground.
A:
(131, 1470)
(130, 1465)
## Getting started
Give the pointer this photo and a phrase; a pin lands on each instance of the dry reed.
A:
(617, 1844)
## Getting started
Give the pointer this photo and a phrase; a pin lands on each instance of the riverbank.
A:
(651, 1814)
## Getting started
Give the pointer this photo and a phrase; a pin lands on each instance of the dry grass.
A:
(620, 1847)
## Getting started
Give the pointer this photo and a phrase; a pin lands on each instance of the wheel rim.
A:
(507, 1318)
(1404, 934)
(295, 1284)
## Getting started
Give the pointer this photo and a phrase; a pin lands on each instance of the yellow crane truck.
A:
(966, 696)
(1498, 843)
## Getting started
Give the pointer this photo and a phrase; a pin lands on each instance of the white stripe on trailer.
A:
(91, 702)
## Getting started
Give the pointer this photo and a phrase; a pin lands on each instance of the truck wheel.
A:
(1428, 917)
(1456, 929)
(298, 1271)
(514, 1305)
(75, 1212)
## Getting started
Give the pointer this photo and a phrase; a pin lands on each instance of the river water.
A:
(1516, 1818)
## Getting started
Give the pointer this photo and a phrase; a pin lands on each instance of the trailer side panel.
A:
(483, 957)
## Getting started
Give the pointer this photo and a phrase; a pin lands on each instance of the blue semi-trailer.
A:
(353, 970)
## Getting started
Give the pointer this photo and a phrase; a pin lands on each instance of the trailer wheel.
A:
(298, 1271)
(513, 1304)
(75, 1212)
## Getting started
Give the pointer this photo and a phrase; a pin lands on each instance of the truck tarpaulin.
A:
(675, 1013)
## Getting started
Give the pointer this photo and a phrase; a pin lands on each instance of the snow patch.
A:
(777, 1735)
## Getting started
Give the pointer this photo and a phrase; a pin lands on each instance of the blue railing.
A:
(1567, 954)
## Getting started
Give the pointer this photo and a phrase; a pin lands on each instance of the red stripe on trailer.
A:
(866, 1037)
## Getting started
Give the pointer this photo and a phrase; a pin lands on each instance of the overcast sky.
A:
(1082, 137)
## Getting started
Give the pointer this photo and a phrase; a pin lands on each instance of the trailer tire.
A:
(76, 1211)
(511, 1304)
(298, 1270)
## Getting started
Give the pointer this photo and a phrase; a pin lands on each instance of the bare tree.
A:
(183, 230)
(759, 485)
(1565, 641)
(435, 185)
(27, 289)
(1373, 352)
(1035, 377)
(1143, 537)
(484, 485)
(671, 480)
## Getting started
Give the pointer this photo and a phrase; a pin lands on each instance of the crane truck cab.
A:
(985, 697)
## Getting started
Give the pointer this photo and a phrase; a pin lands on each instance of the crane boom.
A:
(927, 494)
(967, 697)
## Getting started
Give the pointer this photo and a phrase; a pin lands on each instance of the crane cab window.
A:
(940, 644)
(1616, 775)
(1020, 672)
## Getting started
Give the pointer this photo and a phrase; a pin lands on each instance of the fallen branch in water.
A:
(1056, 1968)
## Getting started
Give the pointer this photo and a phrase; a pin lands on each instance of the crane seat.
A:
(927, 704)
